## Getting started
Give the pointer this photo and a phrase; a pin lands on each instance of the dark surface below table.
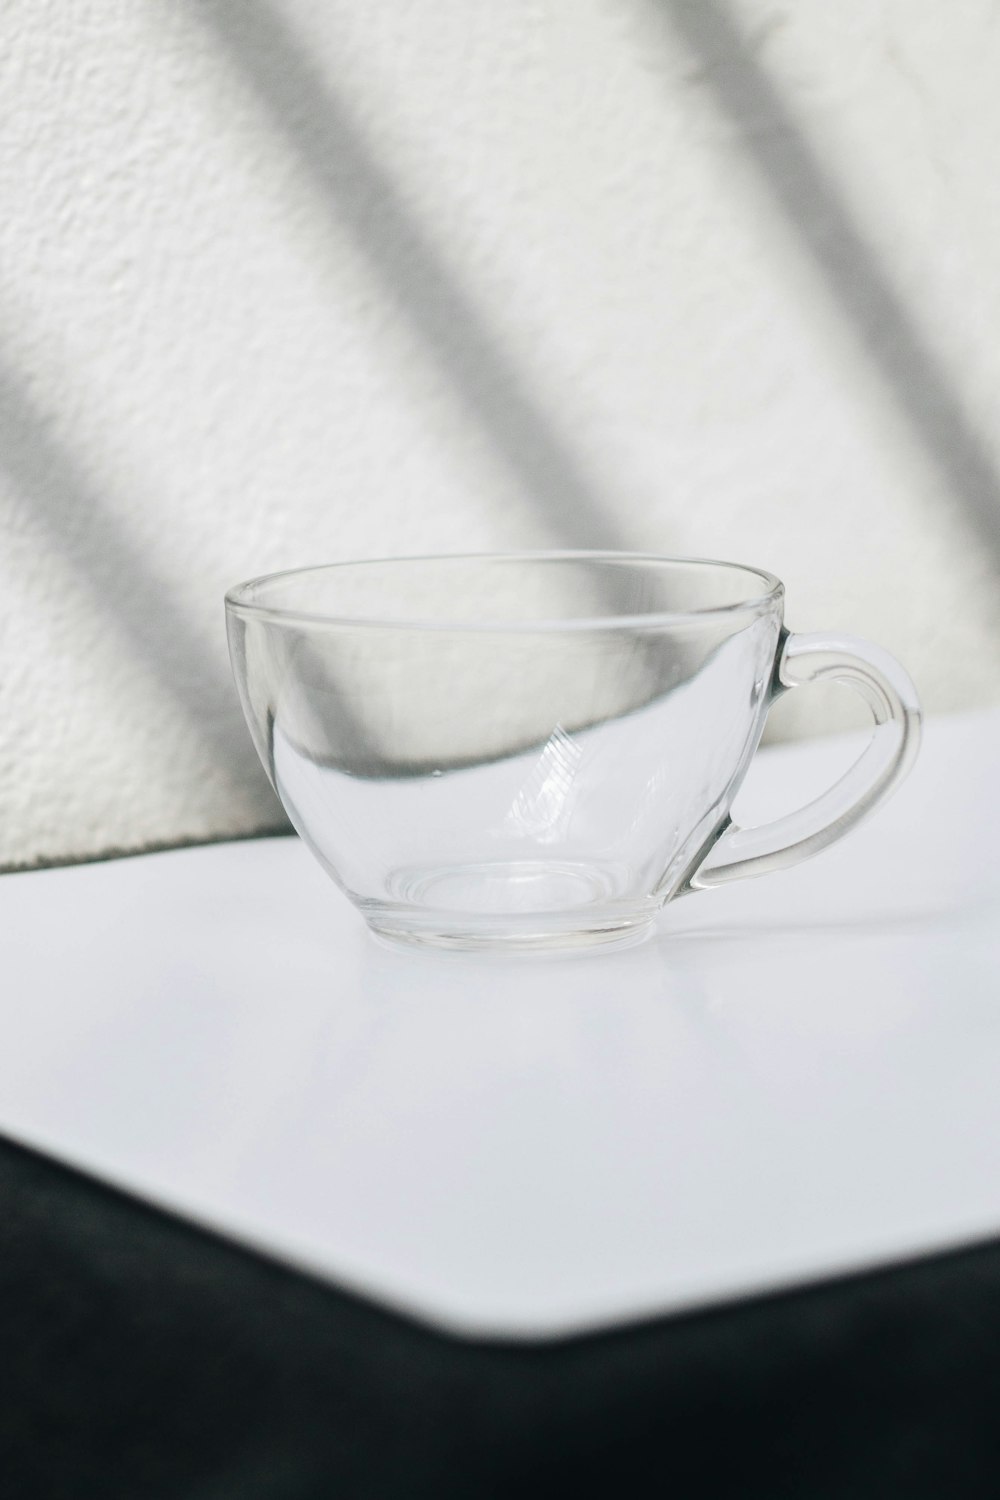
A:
(141, 1358)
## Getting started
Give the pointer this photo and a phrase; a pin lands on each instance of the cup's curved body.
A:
(533, 750)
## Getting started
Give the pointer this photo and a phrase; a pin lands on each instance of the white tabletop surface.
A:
(797, 1075)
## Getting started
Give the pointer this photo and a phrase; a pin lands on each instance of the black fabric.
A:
(141, 1358)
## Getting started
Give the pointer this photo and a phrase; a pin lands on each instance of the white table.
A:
(797, 1076)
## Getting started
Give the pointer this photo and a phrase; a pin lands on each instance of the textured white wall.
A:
(304, 280)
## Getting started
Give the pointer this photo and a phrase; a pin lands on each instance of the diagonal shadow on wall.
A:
(363, 200)
(818, 213)
(129, 592)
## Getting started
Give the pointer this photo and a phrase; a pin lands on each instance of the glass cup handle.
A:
(892, 698)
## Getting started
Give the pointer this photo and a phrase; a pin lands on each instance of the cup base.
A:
(514, 906)
(446, 937)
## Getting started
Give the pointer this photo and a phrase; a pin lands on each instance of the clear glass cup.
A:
(539, 750)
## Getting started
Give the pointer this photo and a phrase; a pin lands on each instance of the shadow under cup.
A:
(526, 751)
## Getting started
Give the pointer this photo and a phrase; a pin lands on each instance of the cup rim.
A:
(239, 602)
